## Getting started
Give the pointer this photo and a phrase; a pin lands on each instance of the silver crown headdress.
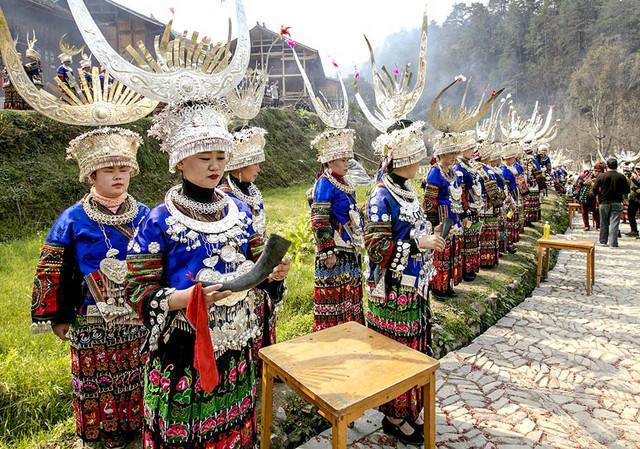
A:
(245, 102)
(101, 104)
(487, 129)
(559, 158)
(626, 156)
(189, 129)
(182, 70)
(85, 62)
(394, 97)
(455, 125)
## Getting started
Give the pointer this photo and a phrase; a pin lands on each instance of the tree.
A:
(597, 88)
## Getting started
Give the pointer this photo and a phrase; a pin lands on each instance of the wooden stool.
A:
(586, 246)
(344, 371)
(573, 208)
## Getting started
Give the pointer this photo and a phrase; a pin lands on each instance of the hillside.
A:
(38, 183)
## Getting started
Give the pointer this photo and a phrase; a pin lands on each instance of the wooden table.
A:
(344, 371)
(573, 208)
(586, 246)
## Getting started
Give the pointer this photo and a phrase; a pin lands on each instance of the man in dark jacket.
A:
(610, 187)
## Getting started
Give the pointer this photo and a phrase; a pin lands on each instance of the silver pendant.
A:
(228, 254)
(112, 252)
(208, 275)
(115, 270)
(210, 261)
(245, 267)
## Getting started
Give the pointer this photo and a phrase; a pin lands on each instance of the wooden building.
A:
(122, 27)
(282, 66)
(51, 19)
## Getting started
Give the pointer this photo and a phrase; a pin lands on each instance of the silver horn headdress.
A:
(540, 130)
(101, 104)
(487, 129)
(181, 71)
(336, 143)
(456, 125)
(245, 101)
(395, 99)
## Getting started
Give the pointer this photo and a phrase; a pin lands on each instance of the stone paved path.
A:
(561, 370)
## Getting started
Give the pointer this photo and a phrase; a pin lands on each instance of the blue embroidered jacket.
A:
(330, 210)
(390, 239)
(437, 198)
(71, 253)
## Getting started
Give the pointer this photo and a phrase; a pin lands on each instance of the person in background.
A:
(610, 187)
(634, 200)
(586, 196)
(275, 94)
(337, 224)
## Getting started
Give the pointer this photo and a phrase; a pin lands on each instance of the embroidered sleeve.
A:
(57, 282)
(321, 218)
(378, 231)
(430, 203)
(146, 292)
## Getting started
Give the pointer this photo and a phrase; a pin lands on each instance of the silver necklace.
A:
(409, 195)
(345, 187)
(230, 220)
(201, 208)
(110, 219)
(254, 199)
(114, 269)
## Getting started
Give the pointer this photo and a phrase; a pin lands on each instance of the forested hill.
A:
(581, 55)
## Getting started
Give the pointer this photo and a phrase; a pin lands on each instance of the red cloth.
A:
(203, 358)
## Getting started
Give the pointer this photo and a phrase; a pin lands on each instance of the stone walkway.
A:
(561, 370)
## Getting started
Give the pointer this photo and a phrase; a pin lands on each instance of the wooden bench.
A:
(586, 246)
(573, 208)
(344, 371)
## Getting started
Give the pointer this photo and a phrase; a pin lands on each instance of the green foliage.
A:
(301, 238)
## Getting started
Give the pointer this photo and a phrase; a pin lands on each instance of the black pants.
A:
(632, 211)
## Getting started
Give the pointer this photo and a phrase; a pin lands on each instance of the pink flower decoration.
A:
(207, 425)
(165, 383)
(291, 43)
(335, 64)
(242, 367)
(233, 374)
(234, 412)
(182, 384)
(396, 71)
(177, 431)
(403, 300)
(154, 377)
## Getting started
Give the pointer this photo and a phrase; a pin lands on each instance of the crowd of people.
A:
(158, 348)
(608, 197)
